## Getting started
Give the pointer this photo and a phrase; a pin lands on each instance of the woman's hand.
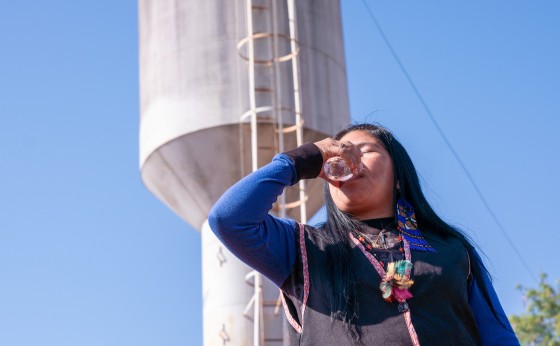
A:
(346, 150)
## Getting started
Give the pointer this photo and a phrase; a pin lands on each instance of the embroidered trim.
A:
(305, 270)
(406, 220)
(306, 285)
(291, 320)
(374, 262)
(411, 330)
(412, 235)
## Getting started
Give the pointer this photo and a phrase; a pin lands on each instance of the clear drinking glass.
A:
(336, 169)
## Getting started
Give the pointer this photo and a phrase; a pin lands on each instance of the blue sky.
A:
(89, 257)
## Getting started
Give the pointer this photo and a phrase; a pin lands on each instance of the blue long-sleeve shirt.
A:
(240, 219)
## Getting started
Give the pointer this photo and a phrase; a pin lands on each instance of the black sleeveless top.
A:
(439, 309)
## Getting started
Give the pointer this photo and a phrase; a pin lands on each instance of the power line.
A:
(442, 134)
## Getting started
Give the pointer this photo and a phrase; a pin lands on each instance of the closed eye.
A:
(369, 148)
(366, 150)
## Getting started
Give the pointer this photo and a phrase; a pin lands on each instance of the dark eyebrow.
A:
(363, 144)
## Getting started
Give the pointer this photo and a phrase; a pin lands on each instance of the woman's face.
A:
(370, 195)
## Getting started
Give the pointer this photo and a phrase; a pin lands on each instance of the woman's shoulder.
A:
(446, 244)
(312, 234)
(441, 237)
(315, 237)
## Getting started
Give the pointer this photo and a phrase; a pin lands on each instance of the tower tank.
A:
(224, 86)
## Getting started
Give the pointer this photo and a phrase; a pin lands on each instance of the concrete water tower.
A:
(225, 85)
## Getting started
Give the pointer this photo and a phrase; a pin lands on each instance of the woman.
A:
(383, 269)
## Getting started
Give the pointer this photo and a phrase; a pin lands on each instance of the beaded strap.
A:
(303, 250)
(406, 221)
(374, 262)
(411, 330)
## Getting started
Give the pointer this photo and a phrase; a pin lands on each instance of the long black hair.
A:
(340, 279)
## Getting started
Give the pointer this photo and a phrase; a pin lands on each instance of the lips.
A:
(342, 183)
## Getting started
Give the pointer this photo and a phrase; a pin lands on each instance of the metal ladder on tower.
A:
(266, 113)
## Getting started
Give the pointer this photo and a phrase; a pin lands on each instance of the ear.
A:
(398, 185)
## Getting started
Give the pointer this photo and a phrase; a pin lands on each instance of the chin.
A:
(348, 207)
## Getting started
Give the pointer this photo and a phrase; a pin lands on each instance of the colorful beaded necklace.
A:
(395, 280)
(382, 245)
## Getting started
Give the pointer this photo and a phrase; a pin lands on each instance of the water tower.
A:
(225, 85)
